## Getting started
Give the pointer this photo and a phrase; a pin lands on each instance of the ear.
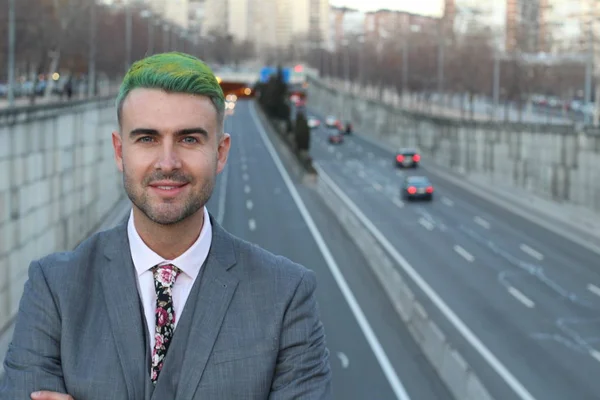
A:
(118, 148)
(223, 152)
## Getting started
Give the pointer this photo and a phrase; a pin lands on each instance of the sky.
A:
(426, 7)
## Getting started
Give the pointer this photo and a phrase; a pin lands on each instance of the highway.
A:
(529, 296)
(373, 355)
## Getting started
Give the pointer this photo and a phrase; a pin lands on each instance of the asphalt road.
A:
(529, 295)
(372, 354)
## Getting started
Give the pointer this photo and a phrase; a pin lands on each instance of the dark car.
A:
(417, 188)
(336, 138)
(348, 129)
(408, 158)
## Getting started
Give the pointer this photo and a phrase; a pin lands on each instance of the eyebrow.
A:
(181, 132)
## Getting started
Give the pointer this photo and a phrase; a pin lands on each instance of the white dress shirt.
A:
(189, 263)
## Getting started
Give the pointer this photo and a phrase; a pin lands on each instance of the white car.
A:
(331, 121)
(313, 122)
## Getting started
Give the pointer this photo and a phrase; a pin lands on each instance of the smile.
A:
(168, 190)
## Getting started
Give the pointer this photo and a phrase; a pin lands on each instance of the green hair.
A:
(176, 73)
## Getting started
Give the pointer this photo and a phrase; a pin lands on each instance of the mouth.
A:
(168, 189)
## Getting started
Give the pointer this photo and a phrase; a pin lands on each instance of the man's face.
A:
(170, 152)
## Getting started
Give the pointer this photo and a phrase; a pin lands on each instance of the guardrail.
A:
(25, 113)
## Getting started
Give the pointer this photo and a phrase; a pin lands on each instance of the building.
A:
(215, 17)
(569, 25)
(319, 21)
(384, 24)
(301, 21)
(267, 23)
(527, 27)
(238, 21)
(173, 11)
(196, 17)
(345, 24)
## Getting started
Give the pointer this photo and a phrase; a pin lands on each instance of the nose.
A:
(169, 159)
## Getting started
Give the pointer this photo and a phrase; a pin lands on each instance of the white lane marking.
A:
(595, 354)
(343, 359)
(465, 254)
(377, 187)
(400, 173)
(594, 289)
(370, 336)
(244, 167)
(245, 177)
(515, 208)
(532, 252)
(243, 159)
(482, 222)
(252, 224)
(458, 324)
(447, 201)
(426, 224)
(223, 195)
(249, 204)
(521, 297)
(398, 202)
(246, 189)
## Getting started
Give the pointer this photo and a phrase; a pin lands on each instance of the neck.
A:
(169, 241)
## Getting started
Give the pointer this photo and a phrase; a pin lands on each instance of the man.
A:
(168, 305)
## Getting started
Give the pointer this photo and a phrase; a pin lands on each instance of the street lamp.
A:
(92, 54)
(11, 53)
(166, 37)
(147, 14)
(128, 35)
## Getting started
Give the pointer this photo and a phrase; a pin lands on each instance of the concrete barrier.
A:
(58, 183)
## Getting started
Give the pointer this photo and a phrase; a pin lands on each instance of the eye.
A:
(190, 140)
(146, 139)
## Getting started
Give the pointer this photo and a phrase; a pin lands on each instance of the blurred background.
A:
(344, 115)
(505, 59)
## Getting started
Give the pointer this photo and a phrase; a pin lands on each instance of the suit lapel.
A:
(217, 287)
(124, 310)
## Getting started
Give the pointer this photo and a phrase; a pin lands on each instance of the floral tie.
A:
(164, 278)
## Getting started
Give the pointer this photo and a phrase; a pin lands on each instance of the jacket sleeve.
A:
(33, 359)
(303, 370)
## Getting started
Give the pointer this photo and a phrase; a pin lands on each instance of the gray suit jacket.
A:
(250, 328)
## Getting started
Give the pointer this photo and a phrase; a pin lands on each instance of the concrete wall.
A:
(551, 161)
(58, 180)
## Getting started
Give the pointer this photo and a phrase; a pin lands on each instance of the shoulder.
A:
(84, 257)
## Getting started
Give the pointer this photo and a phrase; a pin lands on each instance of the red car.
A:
(336, 138)
(408, 158)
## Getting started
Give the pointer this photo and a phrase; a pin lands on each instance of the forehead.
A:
(155, 108)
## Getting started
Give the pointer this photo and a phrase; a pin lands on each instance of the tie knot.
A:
(165, 275)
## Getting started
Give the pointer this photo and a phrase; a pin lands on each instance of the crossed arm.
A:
(33, 359)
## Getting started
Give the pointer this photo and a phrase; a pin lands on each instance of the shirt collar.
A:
(190, 262)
